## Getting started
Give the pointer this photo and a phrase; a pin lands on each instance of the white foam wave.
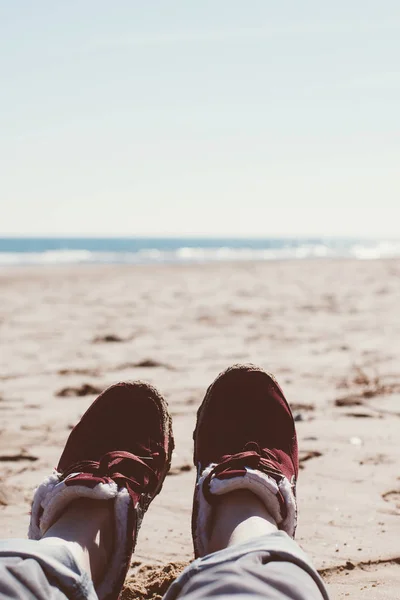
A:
(49, 257)
(184, 254)
(379, 250)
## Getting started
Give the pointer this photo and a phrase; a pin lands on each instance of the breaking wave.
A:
(113, 252)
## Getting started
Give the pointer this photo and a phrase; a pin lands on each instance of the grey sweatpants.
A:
(31, 570)
(271, 567)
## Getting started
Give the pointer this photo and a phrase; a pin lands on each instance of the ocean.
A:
(136, 250)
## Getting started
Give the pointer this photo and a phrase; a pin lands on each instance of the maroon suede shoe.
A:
(120, 450)
(245, 438)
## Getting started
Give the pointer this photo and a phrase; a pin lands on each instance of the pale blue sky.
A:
(217, 117)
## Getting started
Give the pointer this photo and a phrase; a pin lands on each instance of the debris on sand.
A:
(86, 389)
(367, 385)
(110, 338)
(91, 372)
(352, 400)
(180, 469)
(4, 501)
(146, 363)
(301, 407)
(150, 363)
(308, 455)
(23, 455)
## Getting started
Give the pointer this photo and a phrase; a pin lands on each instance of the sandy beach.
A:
(329, 330)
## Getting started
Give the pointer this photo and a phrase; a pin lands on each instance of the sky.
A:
(219, 117)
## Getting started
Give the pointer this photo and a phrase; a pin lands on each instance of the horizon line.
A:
(232, 236)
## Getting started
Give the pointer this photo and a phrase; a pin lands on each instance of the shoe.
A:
(121, 449)
(245, 438)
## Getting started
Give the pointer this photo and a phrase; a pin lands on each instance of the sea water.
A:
(142, 250)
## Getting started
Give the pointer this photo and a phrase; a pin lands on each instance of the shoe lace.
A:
(126, 469)
(252, 456)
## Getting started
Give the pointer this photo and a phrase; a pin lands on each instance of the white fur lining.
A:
(264, 486)
(289, 524)
(53, 496)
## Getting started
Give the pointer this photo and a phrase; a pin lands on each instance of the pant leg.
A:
(271, 567)
(35, 571)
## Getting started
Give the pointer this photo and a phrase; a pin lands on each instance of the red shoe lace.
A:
(263, 460)
(126, 469)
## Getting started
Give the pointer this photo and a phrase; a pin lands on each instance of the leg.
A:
(248, 555)
(35, 571)
(113, 465)
(247, 465)
(258, 562)
(251, 575)
(237, 518)
(89, 540)
(72, 555)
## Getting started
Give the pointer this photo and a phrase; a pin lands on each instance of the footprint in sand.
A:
(306, 455)
(393, 497)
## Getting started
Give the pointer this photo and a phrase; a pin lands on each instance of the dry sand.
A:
(329, 330)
